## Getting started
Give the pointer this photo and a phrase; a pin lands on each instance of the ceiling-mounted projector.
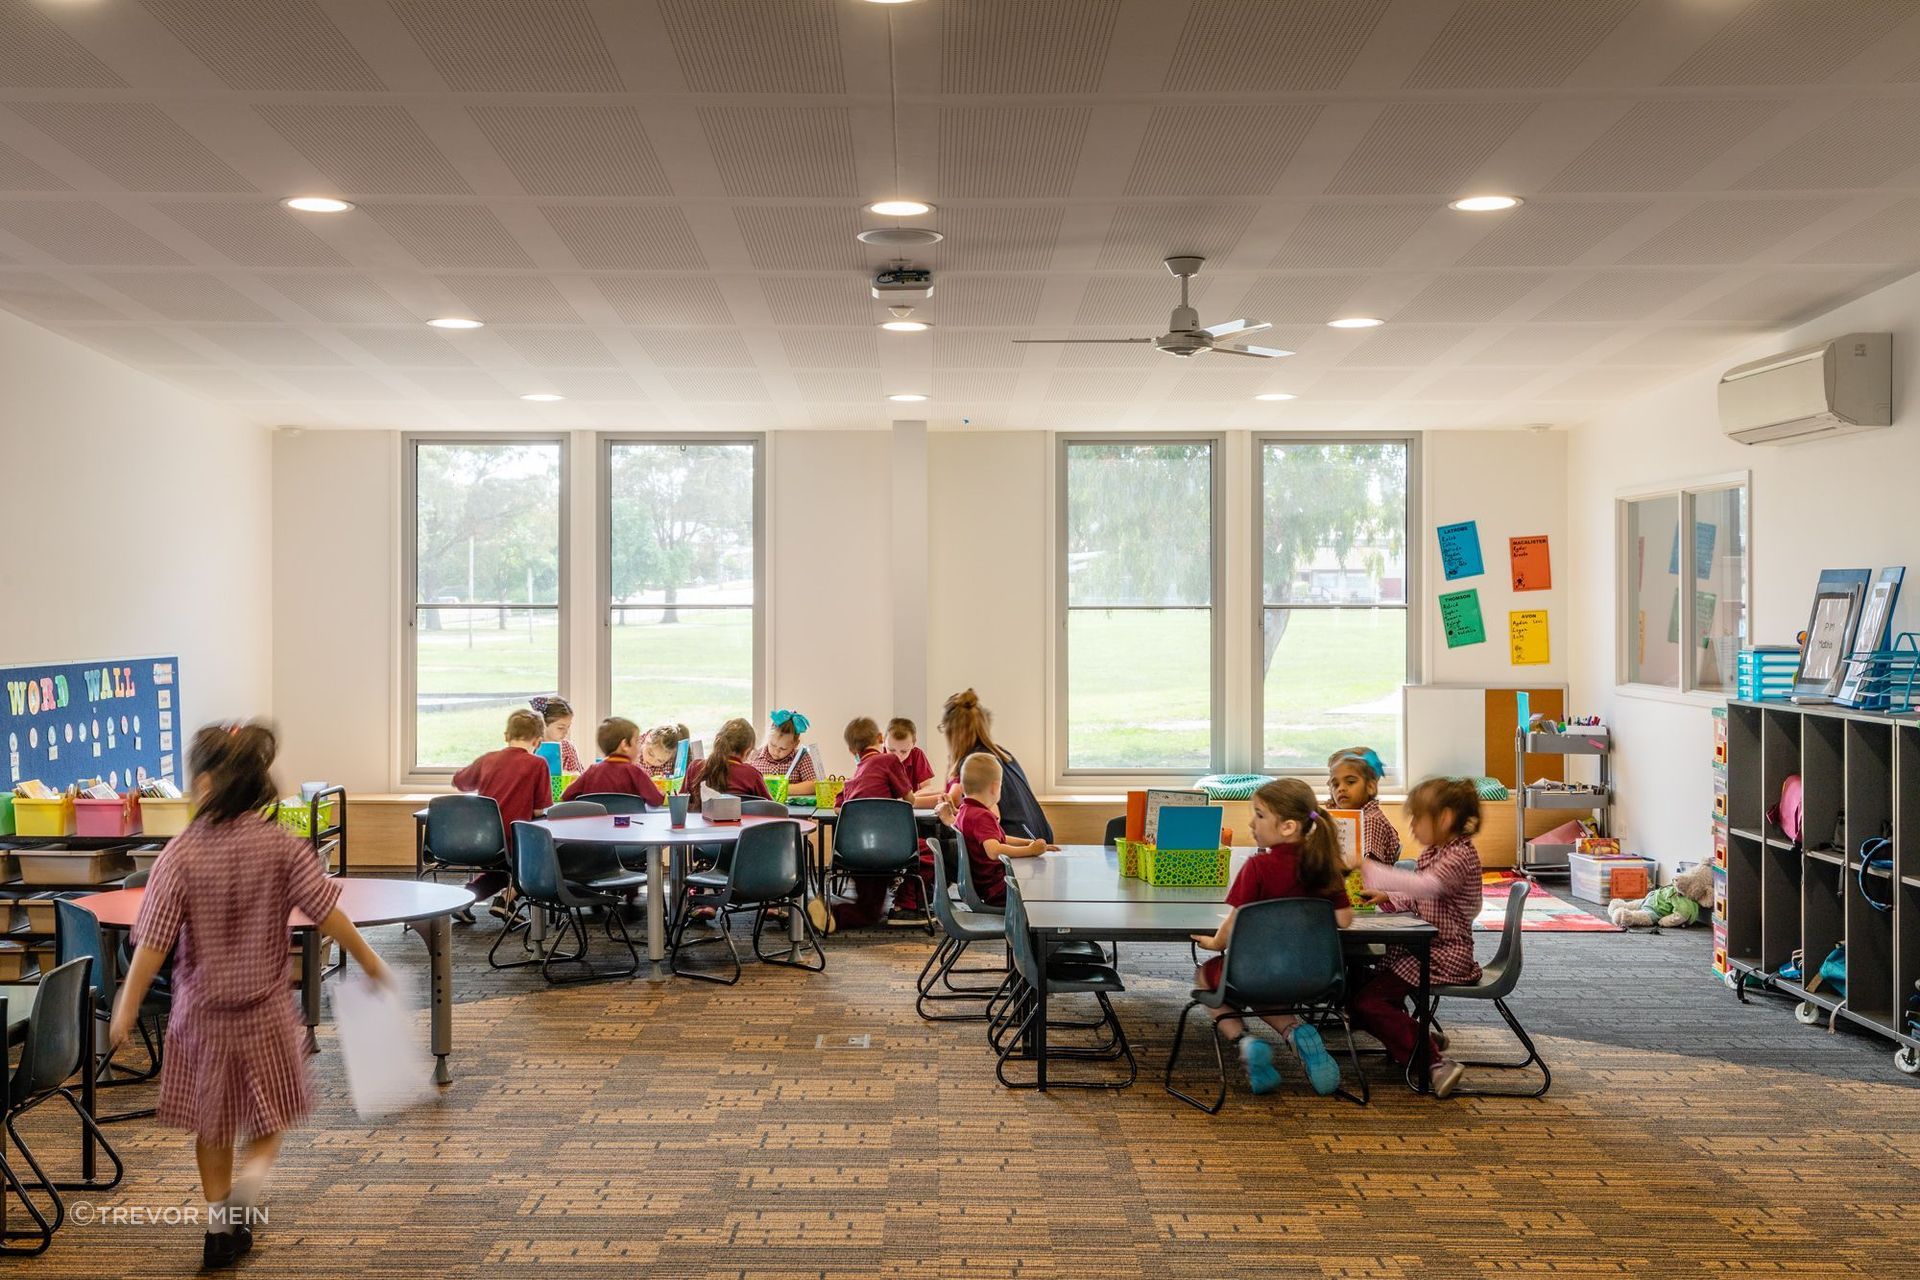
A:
(903, 284)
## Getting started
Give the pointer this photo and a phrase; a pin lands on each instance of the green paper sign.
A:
(1460, 617)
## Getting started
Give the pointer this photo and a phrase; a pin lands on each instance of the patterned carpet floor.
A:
(686, 1130)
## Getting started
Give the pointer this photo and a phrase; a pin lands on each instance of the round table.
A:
(424, 907)
(664, 843)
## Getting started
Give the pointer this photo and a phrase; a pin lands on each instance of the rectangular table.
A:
(1078, 892)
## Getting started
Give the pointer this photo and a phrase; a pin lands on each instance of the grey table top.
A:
(1174, 921)
(1091, 873)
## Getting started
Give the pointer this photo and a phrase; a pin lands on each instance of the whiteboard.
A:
(1446, 730)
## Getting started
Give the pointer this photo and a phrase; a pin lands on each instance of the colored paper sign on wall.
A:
(1532, 566)
(1704, 536)
(1460, 550)
(1527, 637)
(106, 712)
(1460, 618)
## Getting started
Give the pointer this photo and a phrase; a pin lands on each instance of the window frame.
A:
(1684, 494)
(603, 557)
(1412, 608)
(1115, 777)
(412, 772)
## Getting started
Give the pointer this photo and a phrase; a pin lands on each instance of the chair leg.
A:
(1533, 1059)
(40, 1179)
(89, 1128)
(790, 957)
(523, 927)
(1219, 1061)
(1353, 1056)
(721, 934)
(42, 1230)
(930, 971)
(948, 953)
(1016, 1047)
(576, 922)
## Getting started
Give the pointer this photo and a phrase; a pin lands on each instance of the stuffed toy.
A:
(1671, 906)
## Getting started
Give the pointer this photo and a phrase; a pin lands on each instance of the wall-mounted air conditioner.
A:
(1830, 388)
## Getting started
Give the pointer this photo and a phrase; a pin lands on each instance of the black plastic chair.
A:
(55, 1049)
(754, 807)
(1283, 957)
(960, 927)
(1498, 977)
(544, 887)
(77, 937)
(879, 839)
(463, 834)
(1116, 828)
(613, 802)
(1019, 1034)
(767, 870)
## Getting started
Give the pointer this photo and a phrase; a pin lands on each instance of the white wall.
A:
(137, 519)
(1843, 503)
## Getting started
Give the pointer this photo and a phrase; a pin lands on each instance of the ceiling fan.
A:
(1186, 337)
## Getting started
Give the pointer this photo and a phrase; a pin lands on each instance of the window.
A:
(1683, 599)
(1139, 675)
(683, 581)
(1336, 635)
(485, 570)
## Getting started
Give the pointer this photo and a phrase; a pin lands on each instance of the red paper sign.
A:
(1531, 569)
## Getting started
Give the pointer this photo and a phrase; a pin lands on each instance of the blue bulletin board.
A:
(64, 722)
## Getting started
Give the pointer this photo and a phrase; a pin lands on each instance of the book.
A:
(1190, 827)
(1157, 799)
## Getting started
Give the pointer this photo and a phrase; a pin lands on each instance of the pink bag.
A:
(1788, 813)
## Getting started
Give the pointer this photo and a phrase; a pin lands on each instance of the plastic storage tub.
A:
(1191, 868)
(6, 813)
(71, 866)
(162, 817)
(1593, 878)
(106, 819)
(16, 962)
(43, 817)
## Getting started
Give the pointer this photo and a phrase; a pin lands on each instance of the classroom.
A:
(1031, 638)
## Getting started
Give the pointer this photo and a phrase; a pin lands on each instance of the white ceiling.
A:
(653, 202)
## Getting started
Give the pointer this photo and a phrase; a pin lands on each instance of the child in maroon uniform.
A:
(726, 769)
(1353, 782)
(1299, 857)
(218, 900)
(903, 741)
(1444, 890)
(619, 740)
(520, 783)
(978, 822)
(659, 748)
(878, 775)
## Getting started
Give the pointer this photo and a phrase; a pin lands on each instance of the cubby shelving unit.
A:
(1860, 775)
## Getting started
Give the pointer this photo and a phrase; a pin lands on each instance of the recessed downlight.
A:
(542, 397)
(905, 326)
(899, 237)
(1484, 203)
(317, 204)
(1275, 395)
(906, 397)
(456, 322)
(1355, 322)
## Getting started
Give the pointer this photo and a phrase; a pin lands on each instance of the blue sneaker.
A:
(1323, 1073)
(1257, 1054)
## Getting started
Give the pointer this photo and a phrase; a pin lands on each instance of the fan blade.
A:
(1236, 328)
(1258, 353)
(1060, 340)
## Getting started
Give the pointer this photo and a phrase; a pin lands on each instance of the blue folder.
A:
(1190, 826)
(550, 752)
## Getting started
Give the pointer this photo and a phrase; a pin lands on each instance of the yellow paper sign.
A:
(1527, 637)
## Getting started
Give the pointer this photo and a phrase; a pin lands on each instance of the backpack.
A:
(1789, 812)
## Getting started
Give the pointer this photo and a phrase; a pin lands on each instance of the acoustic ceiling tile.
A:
(531, 46)
(450, 235)
(1785, 298)
(342, 299)
(596, 384)
(976, 349)
(338, 384)
(1395, 347)
(665, 300)
(990, 153)
(1082, 387)
(782, 151)
(1551, 235)
(1658, 146)
(1624, 295)
(1350, 235)
(832, 348)
(1790, 41)
(37, 53)
(1136, 301)
(800, 238)
(1206, 380)
(1427, 147)
(852, 385)
(835, 300)
(366, 148)
(273, 346)
(140, 346)
(221, 384)
(1496, 44)
(1110, 355)
(1604, 384)
(255, 235)
(1142, 235)
(560, 348)
(17, 173)
(1679, 347)
(282, 45)
(756, 46)
(81, 233)
(626, 237)
(51, 301)
(1865, 144)
(457, 384)
(1728, 231)
(1017, 46)
(690, 349)
(1891, 236)
(513, 299)
(702, 387)
(136, 144)
(1008, 238)
(1473, 384)
(1299, 299)
(418, 348)
(1203, 151)
(185, 296)
(1535, 345)
(574, 148)
(973, 387)
(1269, 46)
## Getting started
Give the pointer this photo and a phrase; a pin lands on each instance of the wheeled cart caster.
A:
(1806, 1013)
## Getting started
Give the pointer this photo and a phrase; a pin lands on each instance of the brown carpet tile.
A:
(686, 1130)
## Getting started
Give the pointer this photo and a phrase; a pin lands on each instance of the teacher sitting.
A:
(968, 728)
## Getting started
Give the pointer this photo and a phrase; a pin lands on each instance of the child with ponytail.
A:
(1299, 857)
(218, 901)
(1444, 890)
(726, 769)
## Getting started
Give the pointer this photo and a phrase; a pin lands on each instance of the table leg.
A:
(439, 938)
(89, 1159)
(1040, 1015)
(657, 891)
(419, 848)
(1424, 1078)
(310, 984)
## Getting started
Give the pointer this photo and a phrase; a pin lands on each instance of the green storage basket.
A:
(561, 781)
(6, 814)
(1130, 852)
(296, 816)
(777, 787)
(1186, 868)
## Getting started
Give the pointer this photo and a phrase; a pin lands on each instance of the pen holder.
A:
(826, 792)
(677, 811)
(777, 788)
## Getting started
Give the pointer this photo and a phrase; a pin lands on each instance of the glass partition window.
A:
(682, 581)
(1140, 628)
(1684, 581)
(486, 624)
(1336, 646)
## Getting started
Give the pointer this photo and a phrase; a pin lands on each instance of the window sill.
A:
(1656, 693)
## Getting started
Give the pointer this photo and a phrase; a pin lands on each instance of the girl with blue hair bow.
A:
(1353, 782)
(781, 755)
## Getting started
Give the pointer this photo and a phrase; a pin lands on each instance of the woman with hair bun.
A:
(968, 727)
